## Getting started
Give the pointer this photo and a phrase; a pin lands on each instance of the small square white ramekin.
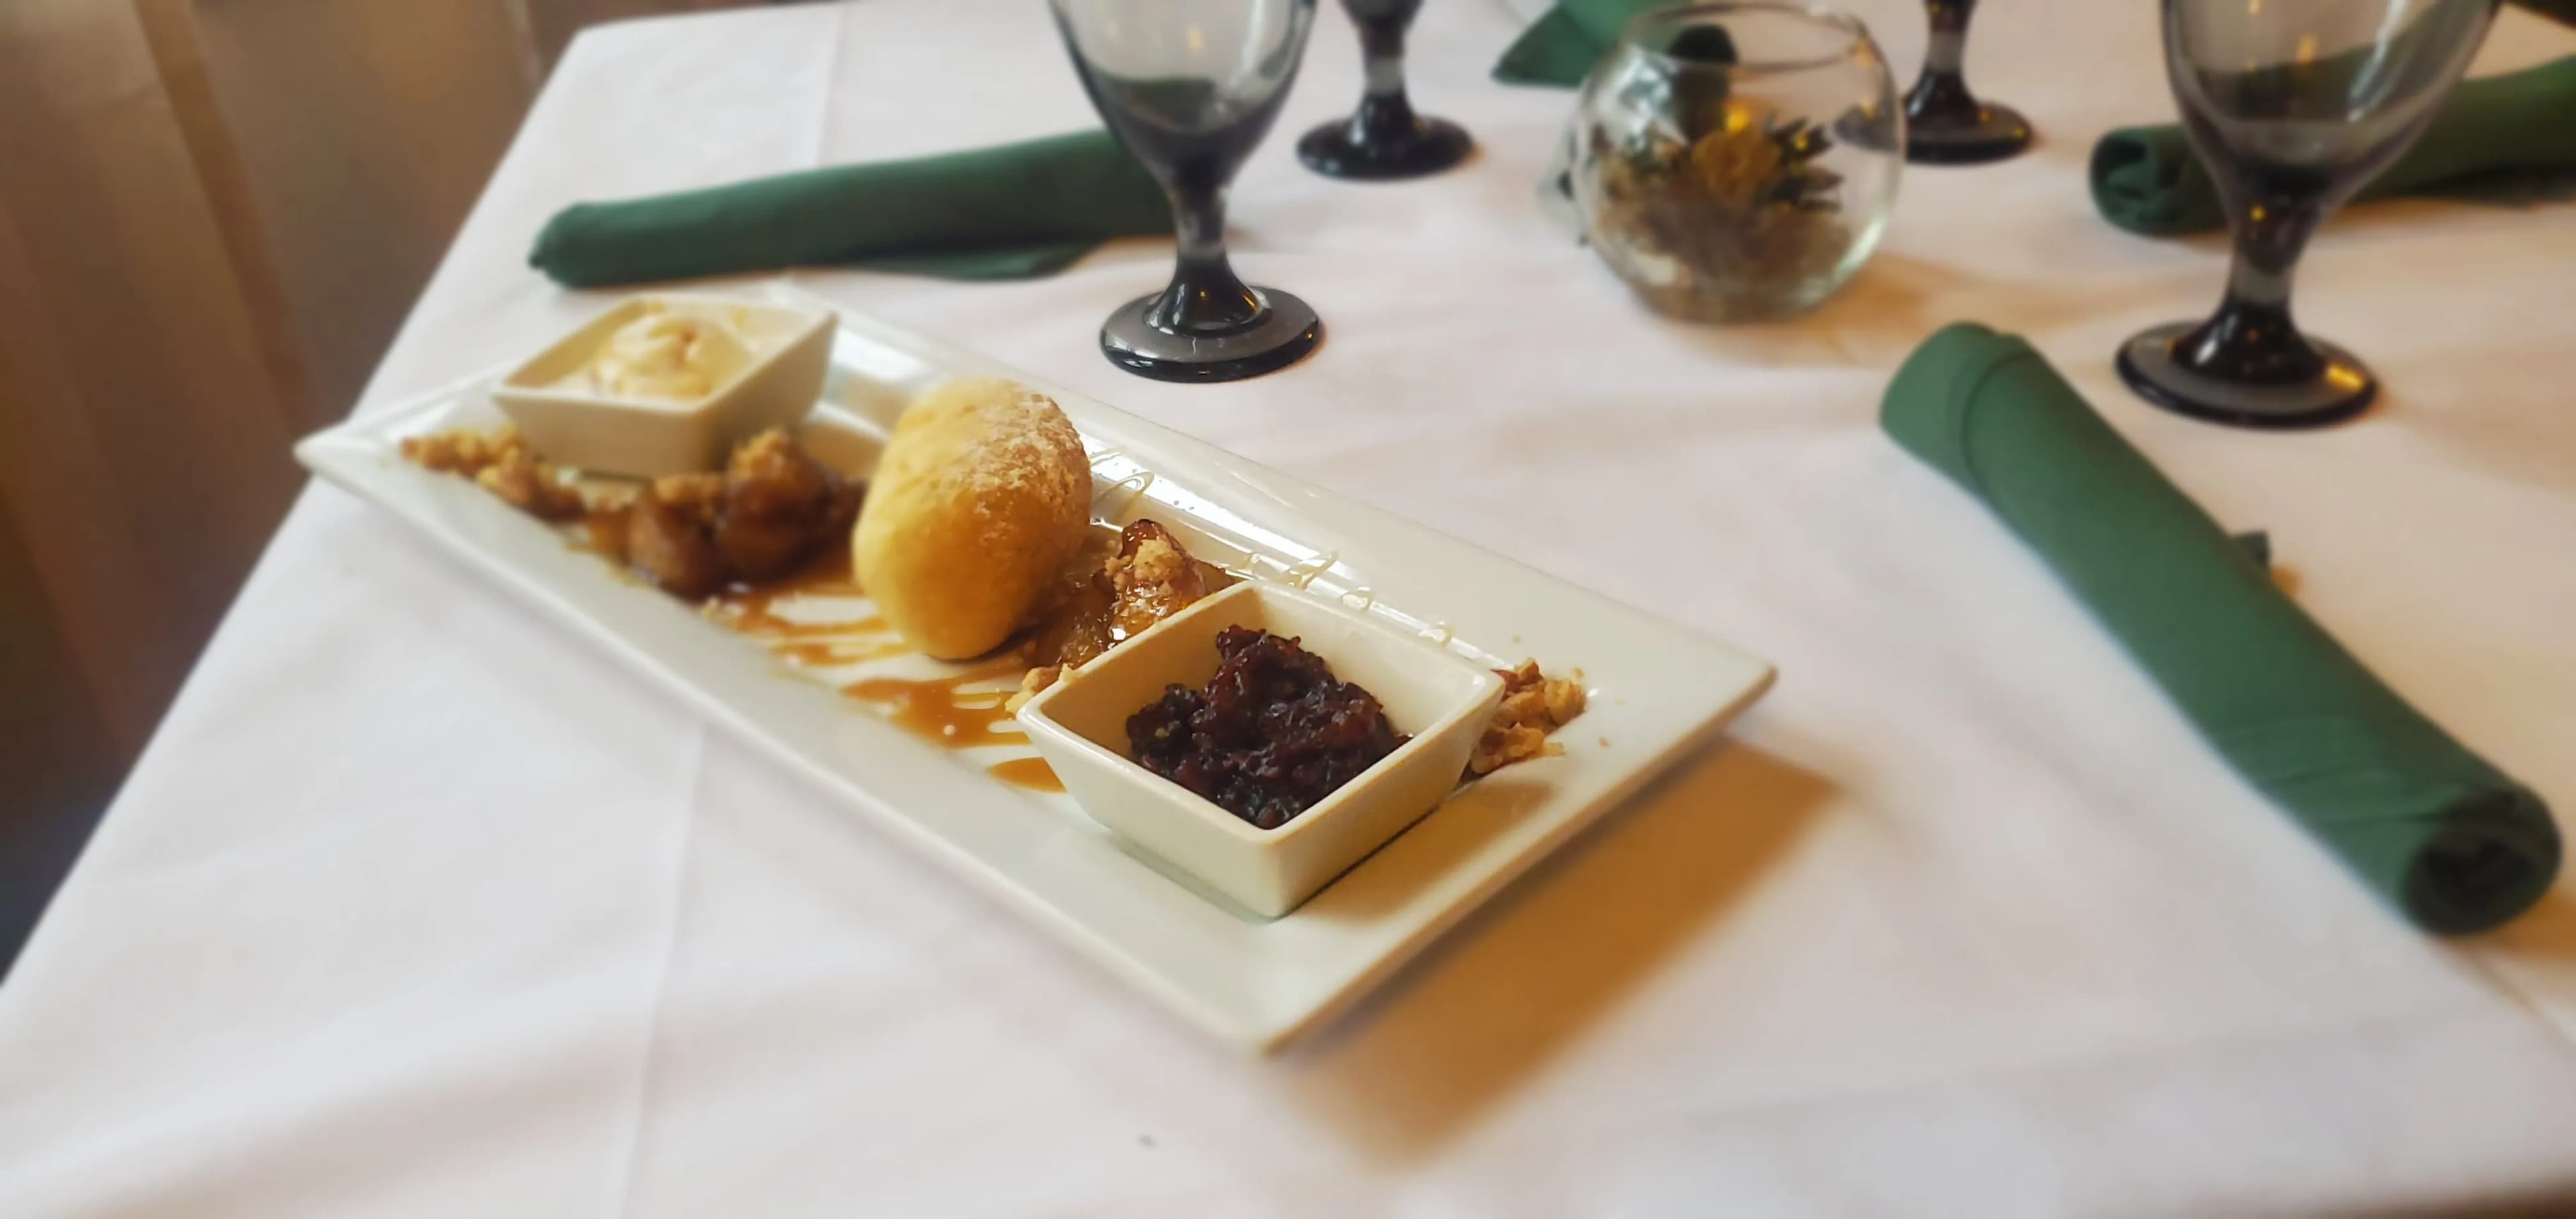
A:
(1442, 700)
(647, 437)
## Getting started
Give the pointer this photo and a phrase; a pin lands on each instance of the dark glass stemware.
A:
(1944, 123)
(1190, 87)
(1384, 138)
(2292, 105)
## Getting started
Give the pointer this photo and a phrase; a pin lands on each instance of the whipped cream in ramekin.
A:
(665, 355)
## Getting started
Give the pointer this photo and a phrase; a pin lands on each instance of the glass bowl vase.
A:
(1737, 161)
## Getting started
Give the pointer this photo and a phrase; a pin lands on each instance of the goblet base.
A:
(1286, 330)
(1427, 147)
(2339, 392)
(1990, 132)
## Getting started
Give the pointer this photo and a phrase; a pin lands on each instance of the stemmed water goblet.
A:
(2292, 105)
(1384, 138)
(1944, 123)
(1190, 87)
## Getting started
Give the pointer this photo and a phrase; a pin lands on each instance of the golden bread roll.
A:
(981, 498)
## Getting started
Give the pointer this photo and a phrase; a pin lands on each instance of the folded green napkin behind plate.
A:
(2498, 134)
(2439, 832)
(1561, 47)
(1012, 211)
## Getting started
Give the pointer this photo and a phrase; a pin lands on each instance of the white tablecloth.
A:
(417, 906)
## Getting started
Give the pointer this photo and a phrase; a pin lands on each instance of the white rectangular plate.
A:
(1656, 691)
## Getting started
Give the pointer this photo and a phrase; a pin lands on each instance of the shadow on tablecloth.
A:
(1502, 995)
(1895, 300)
(2546, 930)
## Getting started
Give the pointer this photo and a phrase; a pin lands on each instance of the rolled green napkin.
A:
(1007, 212)
(1561, 47)
(2497, 133)
(2443, 835)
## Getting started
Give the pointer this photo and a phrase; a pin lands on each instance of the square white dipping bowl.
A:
(648, 437)
(1443, 701)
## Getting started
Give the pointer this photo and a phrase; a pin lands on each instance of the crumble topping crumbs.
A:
(1533, 706)
(1149, 577)
(502, 464)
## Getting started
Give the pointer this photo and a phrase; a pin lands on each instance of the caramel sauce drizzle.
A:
(1031, 773)
(940, 709)
(751, 609)
(825, 653)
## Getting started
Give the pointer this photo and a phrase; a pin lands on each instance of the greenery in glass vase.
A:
(1738, 198)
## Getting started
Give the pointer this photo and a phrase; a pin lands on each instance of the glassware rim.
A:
(1855, 31)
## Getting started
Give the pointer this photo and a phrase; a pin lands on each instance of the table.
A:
(417, 907)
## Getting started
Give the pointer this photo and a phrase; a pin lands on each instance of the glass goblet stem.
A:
(1945, 124)
(1384, 139)
(1385, 112)
(2251, 337)
(1205, 295)
(1943, 86)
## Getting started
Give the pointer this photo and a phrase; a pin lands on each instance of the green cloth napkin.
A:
(2498, 134)
(1561, 47)
(2440, 833)
(1007, 212)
